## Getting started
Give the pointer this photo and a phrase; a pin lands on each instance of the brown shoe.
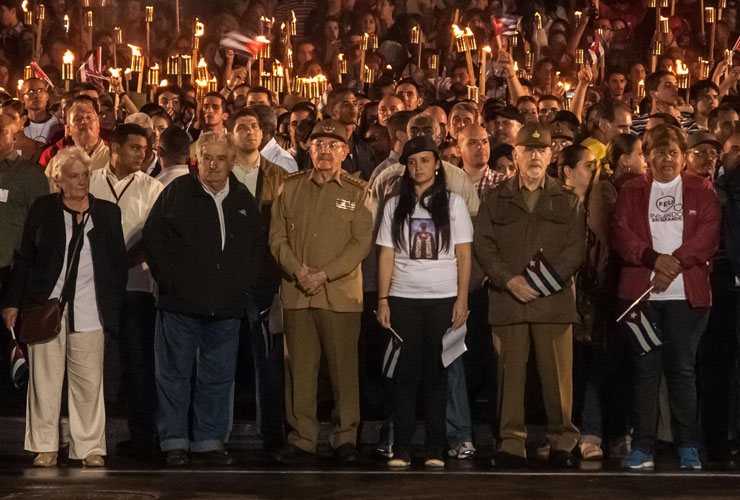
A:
(45, 459)
(93, 461)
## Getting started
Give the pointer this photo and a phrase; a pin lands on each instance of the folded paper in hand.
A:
(453, 345)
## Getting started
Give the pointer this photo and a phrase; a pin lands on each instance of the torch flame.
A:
(202, 83)
(202, 63)
(566, 87)
(68, 57)
(457, 31)
(292, 14)
(516, 66)
(164, 83)
(487, 48)
(115, 72)
(66, 22)
(213, 80)
(340, 56)
(24, 5)
(388, 66)
(20, 84)
(468, 31)
(199, 28)
(681, 69)
(127, 71)
(262, 39)
(135, 51)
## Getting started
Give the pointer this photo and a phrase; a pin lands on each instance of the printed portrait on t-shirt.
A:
(423, 239)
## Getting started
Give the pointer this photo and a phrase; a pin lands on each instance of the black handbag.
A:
(42, 322)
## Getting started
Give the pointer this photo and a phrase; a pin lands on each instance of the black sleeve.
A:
(155, 238)
(25, 256)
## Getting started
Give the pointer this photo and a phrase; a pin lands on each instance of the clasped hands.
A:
(667, 268)
(310, 280)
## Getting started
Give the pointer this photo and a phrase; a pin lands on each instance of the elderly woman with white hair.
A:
(210, 224)
(72, 250)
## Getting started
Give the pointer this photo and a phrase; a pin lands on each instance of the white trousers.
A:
(82, 356)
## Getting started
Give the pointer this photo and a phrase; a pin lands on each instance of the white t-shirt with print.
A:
(422, 269)
(665, 214)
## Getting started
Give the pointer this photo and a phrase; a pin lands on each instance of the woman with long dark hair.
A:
(424, 268)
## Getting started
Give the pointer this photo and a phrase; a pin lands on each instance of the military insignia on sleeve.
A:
(346, 204)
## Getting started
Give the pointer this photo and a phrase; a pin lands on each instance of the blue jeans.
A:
(681, 328)
(179, 342)
(459, 425)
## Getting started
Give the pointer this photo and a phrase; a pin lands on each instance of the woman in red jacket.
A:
(665, 229)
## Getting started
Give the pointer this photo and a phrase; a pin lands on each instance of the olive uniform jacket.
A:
(508, 236)
(326, 227)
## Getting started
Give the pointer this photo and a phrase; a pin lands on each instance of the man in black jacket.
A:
(206, 245)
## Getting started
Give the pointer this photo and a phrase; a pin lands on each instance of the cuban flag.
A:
(92, 69)
(241, 43)
(40, 73)
(736, 47)
(596, 50)
(506, 25)
(645, 334)
(390, 360)
(18, 363)
(541, 276)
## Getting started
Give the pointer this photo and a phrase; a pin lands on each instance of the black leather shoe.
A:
(347, 454)
(214, 458)
(504, 460)
(293, 455)
(177, 458)
(563, 459)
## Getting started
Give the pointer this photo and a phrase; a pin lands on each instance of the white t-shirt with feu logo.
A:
(665, 214)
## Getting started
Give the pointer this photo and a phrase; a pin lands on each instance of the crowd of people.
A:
(562, 180)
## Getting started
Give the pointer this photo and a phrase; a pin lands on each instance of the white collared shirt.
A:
(171, 173)
(219, 198)
(248, 177)
(135, 203)
(274, 153)
(86, 314)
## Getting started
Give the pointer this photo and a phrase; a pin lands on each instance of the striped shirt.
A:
(489, 180)
(639, 124)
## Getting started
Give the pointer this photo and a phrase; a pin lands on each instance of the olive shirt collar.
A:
(336, 177)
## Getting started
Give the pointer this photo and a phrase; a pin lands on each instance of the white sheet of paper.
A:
(453, 345)
(4, 195)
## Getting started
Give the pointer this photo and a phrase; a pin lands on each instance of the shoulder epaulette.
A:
(354, 180)
(298, 174)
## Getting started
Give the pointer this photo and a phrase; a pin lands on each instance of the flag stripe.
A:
(639, 337)
(649, 330)
(549, 277)
(538, 284)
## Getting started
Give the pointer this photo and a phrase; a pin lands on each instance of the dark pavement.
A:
(257, 478)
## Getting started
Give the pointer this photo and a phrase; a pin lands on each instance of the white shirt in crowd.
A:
(135, 195)
(422, 269)
(248, 178)
(665, 214)
(41, 131)
(218, 199)
(169, 174)
(274, 153)
(85, 302)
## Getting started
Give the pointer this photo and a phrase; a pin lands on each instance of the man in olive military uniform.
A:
(320, 232)
(528, 213)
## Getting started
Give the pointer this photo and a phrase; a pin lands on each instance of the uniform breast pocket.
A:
(344, 212)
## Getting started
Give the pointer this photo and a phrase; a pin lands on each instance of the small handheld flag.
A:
(241, 43)
(645, 335)
(392, 353)
(18, 364)
(506, 25)
(541, 276)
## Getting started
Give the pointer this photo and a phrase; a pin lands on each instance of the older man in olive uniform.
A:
(527, 214)
(319, 233)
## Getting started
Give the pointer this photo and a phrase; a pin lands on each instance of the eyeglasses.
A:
(710, 154)
(334, 146)
(663, 153)
(34, 92)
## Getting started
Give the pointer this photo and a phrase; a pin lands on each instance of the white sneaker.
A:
(591, 451)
